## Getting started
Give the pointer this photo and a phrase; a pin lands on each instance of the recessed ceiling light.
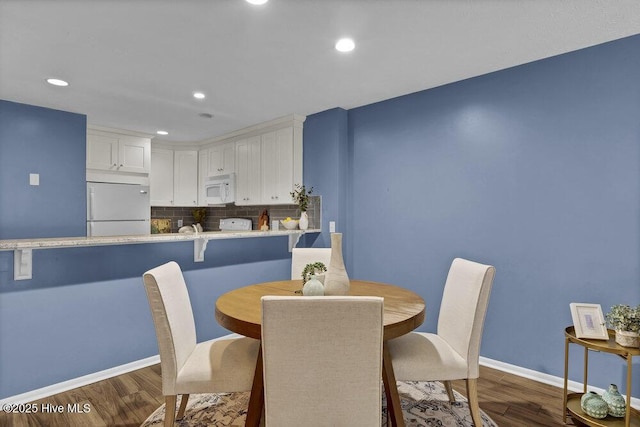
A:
(198, 95)
(57, 82)
(257, 2)
(162, 132)
(345, 45)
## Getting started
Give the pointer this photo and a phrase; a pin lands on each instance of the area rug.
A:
(424, 404)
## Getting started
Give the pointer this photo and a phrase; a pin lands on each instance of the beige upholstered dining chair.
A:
(188, 367)
(303, 256)
(453, 352)
(322, 360)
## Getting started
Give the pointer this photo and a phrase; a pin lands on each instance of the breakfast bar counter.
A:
(68, 242)
(23, 247)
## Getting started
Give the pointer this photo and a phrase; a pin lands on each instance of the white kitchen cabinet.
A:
(185, 178)
(203, 168)
(161, 177)
(174, 177)
(248, 171)
(278, 166)
(120, 153)
(118, 157)
(102, 152)
(222, 159)
(267, 158)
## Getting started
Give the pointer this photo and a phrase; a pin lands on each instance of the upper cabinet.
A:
(161, 177)
(266, 158)
(185, 178)
(280, 168)
(118, 156)
(269, 163)
(248, 171)
(174, 177)
(222, 159)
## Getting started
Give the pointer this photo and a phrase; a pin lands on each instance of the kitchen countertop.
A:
(68, 242)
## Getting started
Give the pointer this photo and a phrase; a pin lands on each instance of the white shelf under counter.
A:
(23, 247)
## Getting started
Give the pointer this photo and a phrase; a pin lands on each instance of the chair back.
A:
(173, 319)
(303, 256)
(322, 359)
(463, 309)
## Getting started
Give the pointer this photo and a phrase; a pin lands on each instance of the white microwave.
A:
(220, 189)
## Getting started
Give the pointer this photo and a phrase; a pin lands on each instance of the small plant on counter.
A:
(300, 196)
(624, 318)
(312, 268)
(199, 215)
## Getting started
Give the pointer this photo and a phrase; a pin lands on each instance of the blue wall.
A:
(534, 169)
(50, 143)
(326, 168)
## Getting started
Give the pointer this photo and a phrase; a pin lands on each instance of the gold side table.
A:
(571, 404)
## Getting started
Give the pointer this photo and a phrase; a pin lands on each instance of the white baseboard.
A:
(41, 393)
(544, 378)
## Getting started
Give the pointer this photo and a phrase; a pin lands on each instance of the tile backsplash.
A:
(215, 214)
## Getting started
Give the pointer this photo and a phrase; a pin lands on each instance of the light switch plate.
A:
(332, 226)
(34, 179)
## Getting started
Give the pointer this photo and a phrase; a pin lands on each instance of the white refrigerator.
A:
(117, 209)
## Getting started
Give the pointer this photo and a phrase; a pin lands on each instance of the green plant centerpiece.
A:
(626, 322)
(312, 268)
(300, 196)
(199, 215)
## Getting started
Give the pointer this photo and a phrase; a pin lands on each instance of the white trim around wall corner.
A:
(544, 378)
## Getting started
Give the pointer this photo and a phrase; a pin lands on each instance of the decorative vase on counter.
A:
(593, 405)
(627, 338)
(336, 280)
(313, 287)
(304, 220)
(615, 401)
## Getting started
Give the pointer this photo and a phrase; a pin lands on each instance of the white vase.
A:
(336, 280)
(304, 220)
(313, 288)
(628, 339)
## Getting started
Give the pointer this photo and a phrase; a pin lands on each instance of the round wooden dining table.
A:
(240, 311)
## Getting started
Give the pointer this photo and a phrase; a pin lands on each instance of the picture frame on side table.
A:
(588, 321)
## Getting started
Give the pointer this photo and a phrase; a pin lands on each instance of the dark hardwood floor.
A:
(127, 400)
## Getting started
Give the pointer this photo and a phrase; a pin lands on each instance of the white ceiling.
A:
(135, 64)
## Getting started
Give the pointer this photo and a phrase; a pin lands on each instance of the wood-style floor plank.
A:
(127, 400)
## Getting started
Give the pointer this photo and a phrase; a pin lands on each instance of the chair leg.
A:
(474, 406)
(169, 410)
(447, 386)
(183, 405)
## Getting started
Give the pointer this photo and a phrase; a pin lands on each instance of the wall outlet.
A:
(180, 223)
(332, 226)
